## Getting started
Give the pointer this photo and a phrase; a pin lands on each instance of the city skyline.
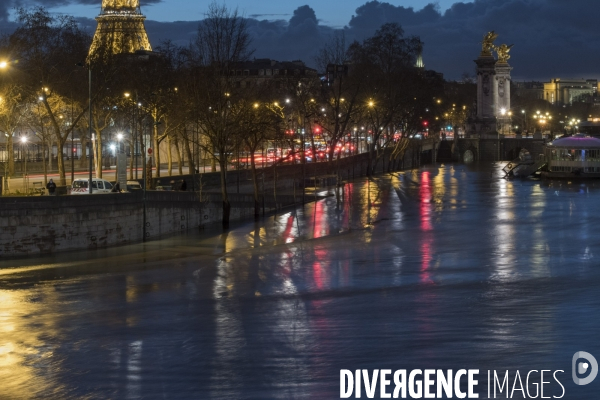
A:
(551, 39)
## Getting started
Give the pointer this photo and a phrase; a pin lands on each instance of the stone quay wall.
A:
(49, 224)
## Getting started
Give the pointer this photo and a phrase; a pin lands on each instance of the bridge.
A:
(482, 149)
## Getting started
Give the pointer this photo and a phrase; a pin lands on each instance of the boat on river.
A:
(576, 156)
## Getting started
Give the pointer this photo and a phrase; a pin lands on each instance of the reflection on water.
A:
(450, 267)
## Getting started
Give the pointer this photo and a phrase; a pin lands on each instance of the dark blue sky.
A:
(552, 38)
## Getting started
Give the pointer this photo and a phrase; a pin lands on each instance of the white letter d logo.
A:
(582, 368)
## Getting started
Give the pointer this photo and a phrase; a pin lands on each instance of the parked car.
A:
(133, 185)
(80, 186)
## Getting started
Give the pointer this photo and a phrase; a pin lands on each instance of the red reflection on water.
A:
(287, 232)
(348, 193)
(426, 258)
(425, 213)
(319, 228)
(425, 198)
(321, 256)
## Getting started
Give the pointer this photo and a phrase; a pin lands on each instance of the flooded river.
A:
(442, 268)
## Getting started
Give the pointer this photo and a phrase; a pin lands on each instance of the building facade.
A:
(568, 91)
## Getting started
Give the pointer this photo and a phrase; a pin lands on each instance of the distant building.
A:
(263, 70)
(530, 90)
(568, 91)
(419, 62)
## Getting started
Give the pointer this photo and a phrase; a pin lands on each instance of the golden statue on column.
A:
(502, 52)
(487, 45)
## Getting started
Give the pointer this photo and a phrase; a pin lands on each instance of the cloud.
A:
(552, 38)
(258, 16)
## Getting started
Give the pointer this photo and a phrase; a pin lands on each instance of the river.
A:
(444, 268)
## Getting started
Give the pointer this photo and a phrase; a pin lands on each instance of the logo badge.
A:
(582, 367)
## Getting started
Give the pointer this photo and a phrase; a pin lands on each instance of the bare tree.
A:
(47, 48)
(12, 113)
(221, 101)
(393, 86)
(338, 101)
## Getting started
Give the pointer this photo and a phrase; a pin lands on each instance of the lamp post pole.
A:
(24, 158)
(118, 153)
(90, 126)
(72, 148)
(502, 112)
(144, 193)
(135, 134)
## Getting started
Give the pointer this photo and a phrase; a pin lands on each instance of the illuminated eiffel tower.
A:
(120, 28)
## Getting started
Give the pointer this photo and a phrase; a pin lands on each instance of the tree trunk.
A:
(61, 162)
(44, 162)
(148, 167)
(156, 150)
(224, 194)
(169, 156)
(132, 156)
(369, 160)
(213, 163)
(255, 186)
(98, 154)
(95, 156)
(275, 183)
(188, 150)
(180, 157)
(50, 154)
(10, 150)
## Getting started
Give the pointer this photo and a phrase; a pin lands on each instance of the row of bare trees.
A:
(193, 98)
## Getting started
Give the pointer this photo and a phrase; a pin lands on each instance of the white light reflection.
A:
(503, 257)
(229, 332)
(134, 370)
(539, 257)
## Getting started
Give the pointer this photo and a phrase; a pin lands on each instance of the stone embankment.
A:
(48, 224)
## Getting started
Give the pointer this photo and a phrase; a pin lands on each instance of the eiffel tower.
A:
(120, 28)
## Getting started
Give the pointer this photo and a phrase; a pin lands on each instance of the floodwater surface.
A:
(442, 268)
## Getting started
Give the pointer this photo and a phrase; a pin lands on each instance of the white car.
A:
(80, 186)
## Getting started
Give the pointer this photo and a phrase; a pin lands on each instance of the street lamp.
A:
(542, 119)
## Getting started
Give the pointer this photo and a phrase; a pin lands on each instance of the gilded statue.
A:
(488, 43)
(502, 52)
